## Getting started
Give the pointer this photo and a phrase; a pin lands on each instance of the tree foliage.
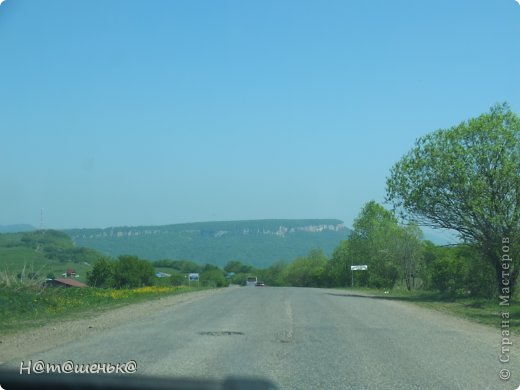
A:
(102, 273)
(274, 275)
(214, 278)
(182, 266)
(407, 248)
(466, 178)
(307, 271)
(338, 269)
(126, 272)
(237, 267)
(132, 272)
(458, 270)
(371, 244)
(56, 245)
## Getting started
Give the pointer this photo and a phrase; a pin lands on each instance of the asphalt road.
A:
(304, 339)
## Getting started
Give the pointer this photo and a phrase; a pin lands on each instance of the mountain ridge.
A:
(255, 242)
(17, 228)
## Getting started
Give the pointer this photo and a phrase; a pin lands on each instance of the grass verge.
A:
(26, 306)
(483, 311)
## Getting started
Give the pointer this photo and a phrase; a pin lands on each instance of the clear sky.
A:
(157, 112)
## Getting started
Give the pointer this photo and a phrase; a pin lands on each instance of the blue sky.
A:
(156, 112)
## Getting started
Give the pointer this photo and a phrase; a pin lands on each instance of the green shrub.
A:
(102, 274)
(214, 277)
(132, 272)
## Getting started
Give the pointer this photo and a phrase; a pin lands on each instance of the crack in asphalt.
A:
(221, 333)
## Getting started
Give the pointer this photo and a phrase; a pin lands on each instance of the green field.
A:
(38, 254)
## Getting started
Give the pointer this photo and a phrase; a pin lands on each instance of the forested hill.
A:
(255, 242)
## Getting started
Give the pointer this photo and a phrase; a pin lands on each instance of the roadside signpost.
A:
(193, 277)
(357, 268)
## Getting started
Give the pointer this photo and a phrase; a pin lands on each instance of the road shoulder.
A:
(58, 333)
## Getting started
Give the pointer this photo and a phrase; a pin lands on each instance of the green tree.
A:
(338, 268)
(183, 266)
(467, 178)
(370, 243)
(307, 271)
(101, 274)
(132, 272)
(239, 278)
(274, 275)
(237, 267)
(448, 275)
(458, 270)
(430, 253)
(407, 248)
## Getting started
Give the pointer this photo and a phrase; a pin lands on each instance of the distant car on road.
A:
(260, 284)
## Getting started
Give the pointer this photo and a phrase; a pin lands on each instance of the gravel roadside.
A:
(61, 332)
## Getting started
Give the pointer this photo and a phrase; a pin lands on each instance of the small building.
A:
(70, 273)
(65, 282)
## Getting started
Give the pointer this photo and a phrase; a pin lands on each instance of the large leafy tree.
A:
(467, 178)
(407, 248)
(370, 243)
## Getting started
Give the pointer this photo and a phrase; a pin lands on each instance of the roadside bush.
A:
(272, 276)
(214, 277)
(129, 272)
(102, 274)
(239, 278)
(383, 275)
(177, 279)
(309, 271)
(132, 272)
(460, 270)
(480, 280)
(448, 276)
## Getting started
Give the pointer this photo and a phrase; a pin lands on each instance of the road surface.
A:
(302, 338)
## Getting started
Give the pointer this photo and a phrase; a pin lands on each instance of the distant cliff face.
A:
(256, 242)
(284, 230)
(280, 230)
